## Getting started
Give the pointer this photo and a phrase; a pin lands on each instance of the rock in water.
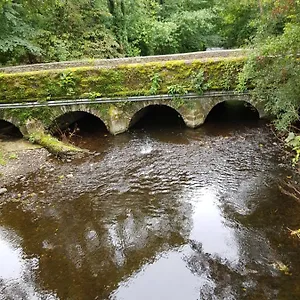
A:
(3, 191)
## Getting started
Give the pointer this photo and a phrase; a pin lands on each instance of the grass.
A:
(2, 159)
(13, 156)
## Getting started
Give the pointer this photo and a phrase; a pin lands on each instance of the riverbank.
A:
(18, 158)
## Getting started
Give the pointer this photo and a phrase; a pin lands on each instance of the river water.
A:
(157, 214)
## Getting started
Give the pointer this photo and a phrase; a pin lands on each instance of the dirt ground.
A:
(18, 158)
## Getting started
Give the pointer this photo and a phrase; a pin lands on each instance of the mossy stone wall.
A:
(120, 81)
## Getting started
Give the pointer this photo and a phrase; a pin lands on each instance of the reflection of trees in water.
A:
(17, 279)
(86, 247)
(22, 290)
(255, 274)
(252, 272)
(13, 290)
(225, 280)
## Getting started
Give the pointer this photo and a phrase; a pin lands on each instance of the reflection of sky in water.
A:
(209, 225)
(15, 271)
(10, 266)
(186, 272)
(169, 277)
(166, 278)
(159, 221)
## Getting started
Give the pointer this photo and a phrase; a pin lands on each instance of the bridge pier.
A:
(116, 120)
(193, 114)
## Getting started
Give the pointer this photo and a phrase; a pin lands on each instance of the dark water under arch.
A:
(156, 117)
(233, 111)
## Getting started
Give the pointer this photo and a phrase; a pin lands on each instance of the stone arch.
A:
(138, 107)
(212, 105)
(15, 122)
(60, 112)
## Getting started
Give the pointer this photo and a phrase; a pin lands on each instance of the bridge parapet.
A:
(121, 81)
(113, 62)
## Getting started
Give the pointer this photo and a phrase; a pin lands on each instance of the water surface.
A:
(162, 213)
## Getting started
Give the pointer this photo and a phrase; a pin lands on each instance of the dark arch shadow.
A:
(79, 121)
(156, 117)
(78, 127)
(229, 117)
(231, 112)
(9, 130)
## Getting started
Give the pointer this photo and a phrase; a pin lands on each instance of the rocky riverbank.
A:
(18, 158)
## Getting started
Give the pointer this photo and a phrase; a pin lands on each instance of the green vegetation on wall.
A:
(22, 115)
(120, 81)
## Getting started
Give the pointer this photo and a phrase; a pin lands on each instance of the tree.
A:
(15, 33)
(273, 68)
(51, 30)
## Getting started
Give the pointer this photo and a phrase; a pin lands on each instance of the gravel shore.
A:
(18, 159)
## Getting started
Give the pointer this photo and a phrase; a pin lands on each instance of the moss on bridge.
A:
(120, 81)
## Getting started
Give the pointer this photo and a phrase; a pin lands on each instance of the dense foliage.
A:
(55, 30)
(273, 68)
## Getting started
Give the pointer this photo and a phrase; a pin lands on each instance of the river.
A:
(158, 213)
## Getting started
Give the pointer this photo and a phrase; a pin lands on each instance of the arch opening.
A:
(9, 130)
(156, 117)
(73, 126)
(232, 112)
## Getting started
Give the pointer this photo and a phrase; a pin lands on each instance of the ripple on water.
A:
(176, 214)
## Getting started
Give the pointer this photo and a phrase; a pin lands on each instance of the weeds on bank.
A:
(2, 159)
(290, 145)
(13, 156)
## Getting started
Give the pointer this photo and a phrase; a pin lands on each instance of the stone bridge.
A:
(119, 91)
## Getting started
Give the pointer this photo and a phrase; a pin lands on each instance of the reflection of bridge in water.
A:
(120, 92)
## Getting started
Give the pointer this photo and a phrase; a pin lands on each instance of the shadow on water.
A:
(9, 131)
(230, 116)
(233, 112)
